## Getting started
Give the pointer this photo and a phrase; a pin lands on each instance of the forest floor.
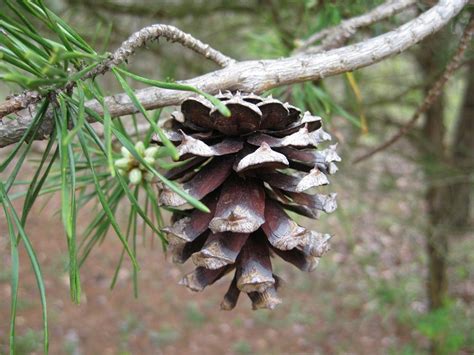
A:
(366, 296)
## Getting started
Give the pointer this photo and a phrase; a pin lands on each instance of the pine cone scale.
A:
(245, 117)
(202, 277)
(204, 182)
(240, 208)
(194, 147)
(182, 251)
(231, 297)
(282, 232)
(263, 157)
(180, 171)
(254, 268)
(189, 228)
(220, 249)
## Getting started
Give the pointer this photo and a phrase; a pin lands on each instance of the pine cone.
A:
(248, 169)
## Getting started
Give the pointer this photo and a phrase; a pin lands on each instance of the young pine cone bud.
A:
(131, 168)
(249, 169)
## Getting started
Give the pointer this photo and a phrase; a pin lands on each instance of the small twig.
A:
(171, 33)
(18, 102)
(433, 94)
(126, 49)
(335, 36)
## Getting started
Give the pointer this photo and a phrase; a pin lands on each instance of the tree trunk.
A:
(433, 159)
(437, 200)
(463, 158)
(433, 156)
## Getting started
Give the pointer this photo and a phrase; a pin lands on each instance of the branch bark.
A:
(335, 36)
(261, 75)
(171, 33)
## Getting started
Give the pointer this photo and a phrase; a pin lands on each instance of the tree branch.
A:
(126, 49)
(171, 33)
(261, 75)
(433, 94)
(335, 36)
(19, 102)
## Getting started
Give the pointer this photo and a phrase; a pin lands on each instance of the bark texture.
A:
(463, 158)
(433, 158)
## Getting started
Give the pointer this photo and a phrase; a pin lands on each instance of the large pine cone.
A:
(248, 169)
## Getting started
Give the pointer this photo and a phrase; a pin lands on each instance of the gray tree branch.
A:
(335, 36)
(260, 75)
(171, 33)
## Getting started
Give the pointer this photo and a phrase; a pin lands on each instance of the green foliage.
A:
(28, 343)
(166, 335)
(13, 221)
(444, 327)
(448, 327)
(242, 347)
(194, 314)
(33, 61)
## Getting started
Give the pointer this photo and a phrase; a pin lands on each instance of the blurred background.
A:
(404, 216)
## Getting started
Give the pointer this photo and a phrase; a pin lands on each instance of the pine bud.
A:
(149, 160)
(122, 172)
(140, 148)
(123, 163)
(148, 176)
(152, 152)
(135, 176)
(126, 153)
